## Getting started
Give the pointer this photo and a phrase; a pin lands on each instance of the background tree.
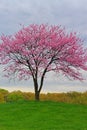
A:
(38, 49)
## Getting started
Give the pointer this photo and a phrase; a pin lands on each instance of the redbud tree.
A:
(38, 49)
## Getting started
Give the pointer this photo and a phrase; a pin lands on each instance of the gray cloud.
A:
(71, 14)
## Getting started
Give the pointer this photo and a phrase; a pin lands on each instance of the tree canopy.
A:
(37, 49)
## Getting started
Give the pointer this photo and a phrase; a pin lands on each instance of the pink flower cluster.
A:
(38, 49)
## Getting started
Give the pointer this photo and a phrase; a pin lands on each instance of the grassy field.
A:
(46, 115)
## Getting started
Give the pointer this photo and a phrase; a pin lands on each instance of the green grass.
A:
(48, 115)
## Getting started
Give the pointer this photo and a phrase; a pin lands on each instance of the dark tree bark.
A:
(37, 95)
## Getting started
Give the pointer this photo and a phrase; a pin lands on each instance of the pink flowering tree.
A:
(38, 49)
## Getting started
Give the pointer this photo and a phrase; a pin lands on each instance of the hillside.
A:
(45, 115)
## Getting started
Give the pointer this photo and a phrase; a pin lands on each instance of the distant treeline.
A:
(70, 97)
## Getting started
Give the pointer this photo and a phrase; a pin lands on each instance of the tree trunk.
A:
(38, 88)
(37, 95)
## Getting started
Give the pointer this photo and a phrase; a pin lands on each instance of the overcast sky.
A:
(71, 14)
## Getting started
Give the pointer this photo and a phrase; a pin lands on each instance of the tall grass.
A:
(70, 97)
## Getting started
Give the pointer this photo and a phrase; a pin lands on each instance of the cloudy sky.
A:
(71, 14)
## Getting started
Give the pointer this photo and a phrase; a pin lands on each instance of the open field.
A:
(43, 115)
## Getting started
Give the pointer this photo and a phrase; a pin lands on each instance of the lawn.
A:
(46, 115)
